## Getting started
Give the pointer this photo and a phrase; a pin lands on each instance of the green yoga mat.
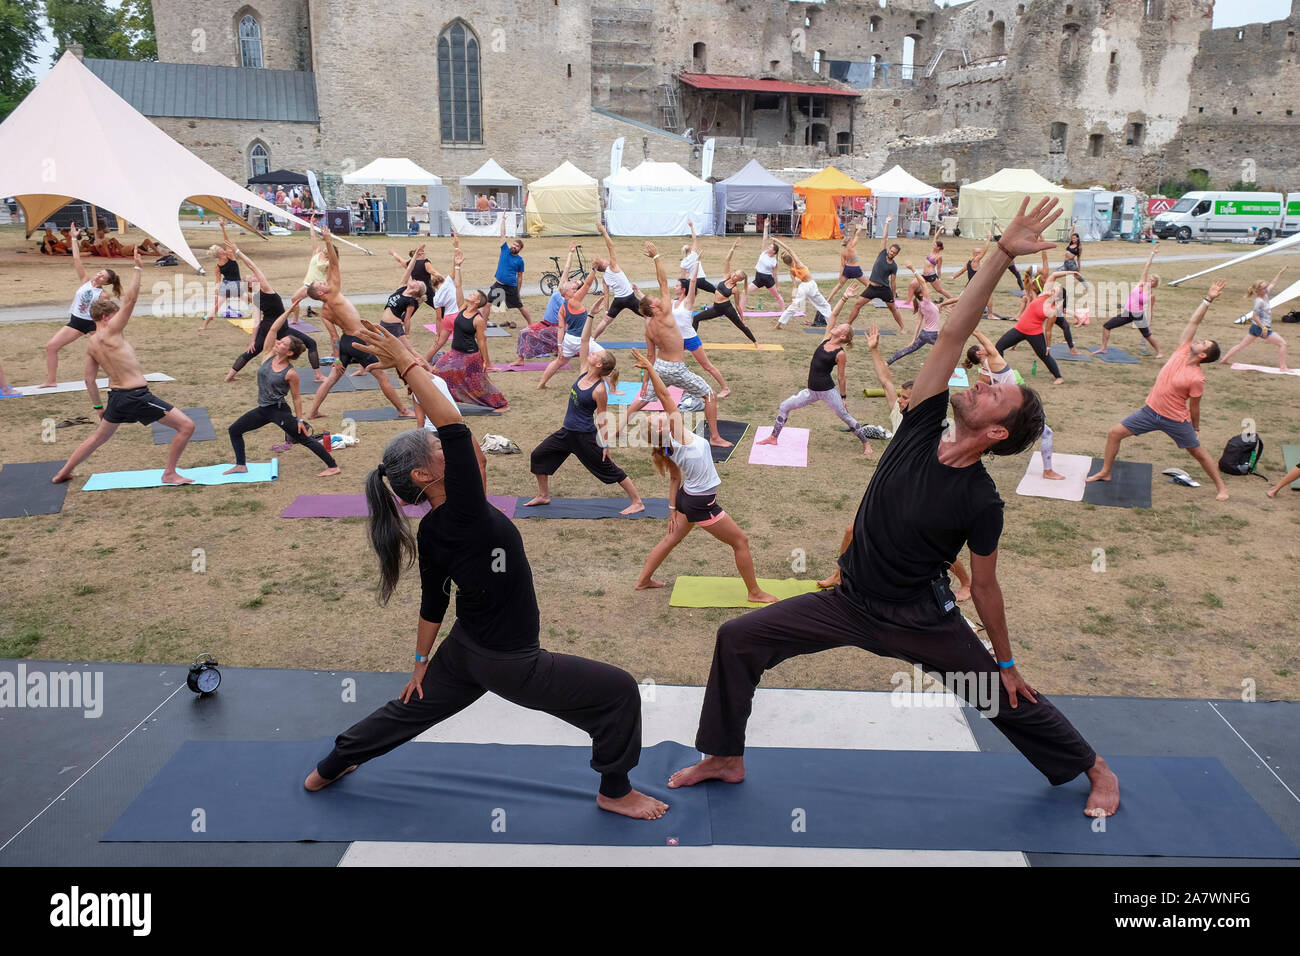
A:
(691, 591)
(1291, 454)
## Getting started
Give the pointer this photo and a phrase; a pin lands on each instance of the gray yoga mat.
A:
(389, 413)
(308, 386)
(590, 508)
(203, 431)
(1115, 356)
(25, 489)
(1129, 485)
(1061, 352)
(733, 432)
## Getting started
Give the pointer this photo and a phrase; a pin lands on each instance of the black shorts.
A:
(134, 405)
(394, 328)
(624, 302)
(700, 285)
(350, 351)
(699, 509)
(84, 326)
(510, 293)
(764, 280)
(882, 292)
(558, 446)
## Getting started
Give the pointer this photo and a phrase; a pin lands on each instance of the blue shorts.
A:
(851, 272)
(1259, 332)
(692, 343)
(1145, 420)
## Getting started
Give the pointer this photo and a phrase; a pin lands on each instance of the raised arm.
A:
(583, 289)
(996, 362)
(660, 274)
(884, 240)
(262, 284)
(118, 322)
(81, 269)
(1146, 268)
(568, 261)
(502, 217)
(786, 249)
(609, 248)
(1189, 333)
(456, 261)
(1270, 285)
(882, 367)
(333, 276)
(853, 242)
(689, 301)
(726, 263)
(410, 266)
(661, 392)
(695, 242)
(393, 354)
(1022, 237)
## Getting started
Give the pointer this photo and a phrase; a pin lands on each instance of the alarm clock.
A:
(204, 678)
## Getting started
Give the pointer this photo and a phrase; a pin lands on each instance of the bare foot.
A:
(963, 595)
(652, 583)
(237, 470)
(61, 476)
(1272, 492)
(725, 392)
(1222, 495)
(542, 386)
(1098, 351)
(315, 415)
(1099, 476)
(719, 442)
(406, 413)
(634, 508)
(330, 471)
(1053, 475)
(48, 385)
(176, 478)
(1059, 381)
(1103, 800)
(769, 440)
(866, 449)
(634, 804)
(319, 377)
(726, 769)
(832, 581)
(316, 782)
(539, 500)
(230, 376)
(762, 597)
(1074, 351)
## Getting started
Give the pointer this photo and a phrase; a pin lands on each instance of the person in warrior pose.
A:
(80, 323)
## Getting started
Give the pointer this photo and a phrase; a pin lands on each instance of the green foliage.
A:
(20, 32)
(124, 33)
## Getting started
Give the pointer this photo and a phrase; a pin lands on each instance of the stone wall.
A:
(206, 32)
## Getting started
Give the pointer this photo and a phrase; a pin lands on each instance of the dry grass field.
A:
(1192, 602)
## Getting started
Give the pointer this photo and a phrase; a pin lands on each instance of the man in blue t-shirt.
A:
(509, 277)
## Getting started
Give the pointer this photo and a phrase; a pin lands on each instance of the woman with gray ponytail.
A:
(493, 646)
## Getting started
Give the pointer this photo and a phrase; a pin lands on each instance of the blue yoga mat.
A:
(947, 800)
(1115, 356)
(1061, 352)
(958, 379)
(626, 393)
(210, 475)
(624, 345)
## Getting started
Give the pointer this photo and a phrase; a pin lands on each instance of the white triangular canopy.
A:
(898, 183)
(387, 171)
(565, 174)
(490, 174)
(72, 139)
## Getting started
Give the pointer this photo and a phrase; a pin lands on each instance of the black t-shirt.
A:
(883, 269)
(399, 302)
(467, 541)
(229, 270)
(918, 512)
(270, 305)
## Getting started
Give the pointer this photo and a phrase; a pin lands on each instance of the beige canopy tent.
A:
(999, 197)
(73, 139)
(564, 202)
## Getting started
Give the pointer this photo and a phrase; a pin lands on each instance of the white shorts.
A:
(571, 345)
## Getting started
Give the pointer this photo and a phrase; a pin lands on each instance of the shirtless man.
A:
(337, 310)
(129, 398)
(666, 348)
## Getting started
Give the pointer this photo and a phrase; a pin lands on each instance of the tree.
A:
(135, 31)
(125, 33)
(20, 32)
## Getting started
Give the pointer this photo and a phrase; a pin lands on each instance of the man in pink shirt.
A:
(1174, 403)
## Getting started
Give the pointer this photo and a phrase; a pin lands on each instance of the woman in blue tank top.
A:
(584, 430)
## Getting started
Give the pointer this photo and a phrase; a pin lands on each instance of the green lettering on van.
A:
(1238, 207)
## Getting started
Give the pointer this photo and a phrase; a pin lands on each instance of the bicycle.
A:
(551, 280)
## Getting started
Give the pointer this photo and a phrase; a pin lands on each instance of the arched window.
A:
(259, 160)
(250, 42)
(459, 92)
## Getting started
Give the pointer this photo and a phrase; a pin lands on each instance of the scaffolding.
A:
(623, 62)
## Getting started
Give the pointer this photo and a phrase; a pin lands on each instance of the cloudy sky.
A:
(1227, 13)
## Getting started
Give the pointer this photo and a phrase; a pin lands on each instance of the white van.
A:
(1217, 215)
(1291, 219)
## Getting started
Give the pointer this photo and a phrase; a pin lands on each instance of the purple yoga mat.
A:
(354, 506)
(525, 367)
(792, 452)
(306, 328)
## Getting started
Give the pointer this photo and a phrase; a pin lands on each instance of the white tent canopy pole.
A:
(1271, 247)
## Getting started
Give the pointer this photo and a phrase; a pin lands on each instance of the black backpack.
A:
(1293, 316)
(1241, 455)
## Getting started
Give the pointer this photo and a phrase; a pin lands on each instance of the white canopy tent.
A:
(890, 188)
(387, 171)
(490, 177)
(73, 139)
(657, 199)
(564, 202)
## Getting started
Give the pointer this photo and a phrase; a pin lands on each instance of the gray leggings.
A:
(922, 338)
(1047, 448)
(832, 398)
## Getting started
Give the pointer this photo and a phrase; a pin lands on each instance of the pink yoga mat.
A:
(771, 315)
(354, 506)
(656, 406)
(525, 367)
(791, 453)
(1270, 369)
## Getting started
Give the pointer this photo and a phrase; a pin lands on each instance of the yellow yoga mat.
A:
(691, 591)
(743, 347)
(248, 325)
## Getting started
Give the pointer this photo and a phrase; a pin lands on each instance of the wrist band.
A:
(137, 268)
(97, 406)
(654, 257)
(1004, 251)
(1007, 664)
(408, 368)
(1206, 300)
(422, 660)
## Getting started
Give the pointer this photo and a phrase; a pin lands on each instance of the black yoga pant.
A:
(1037, 343)
(1124, 318)
(727, 309)
(701, 285)
(1016, 272)
(285, 333)
(600, 699)
(275, 415)
(1064, 326)
(942, 644)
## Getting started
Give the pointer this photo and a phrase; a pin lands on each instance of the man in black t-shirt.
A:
(880, 285)
(929, 496)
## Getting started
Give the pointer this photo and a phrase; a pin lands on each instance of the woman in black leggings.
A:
(270, 308)
(493, 646)
(731, 282)
(1030, 328)
(1040, 282)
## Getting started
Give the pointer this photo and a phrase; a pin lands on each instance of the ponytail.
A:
(115, 281)
(390, 535)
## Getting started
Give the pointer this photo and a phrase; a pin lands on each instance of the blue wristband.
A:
(1007, 664)
(423, 660)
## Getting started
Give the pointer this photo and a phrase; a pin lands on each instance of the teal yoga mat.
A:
(209, 475)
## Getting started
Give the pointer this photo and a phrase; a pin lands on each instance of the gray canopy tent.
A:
(753, 189)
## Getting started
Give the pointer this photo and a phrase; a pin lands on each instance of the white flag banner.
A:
(616, 156)
(706, 167)
(314, 186)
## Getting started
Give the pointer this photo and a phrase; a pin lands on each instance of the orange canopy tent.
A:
(819, 192)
